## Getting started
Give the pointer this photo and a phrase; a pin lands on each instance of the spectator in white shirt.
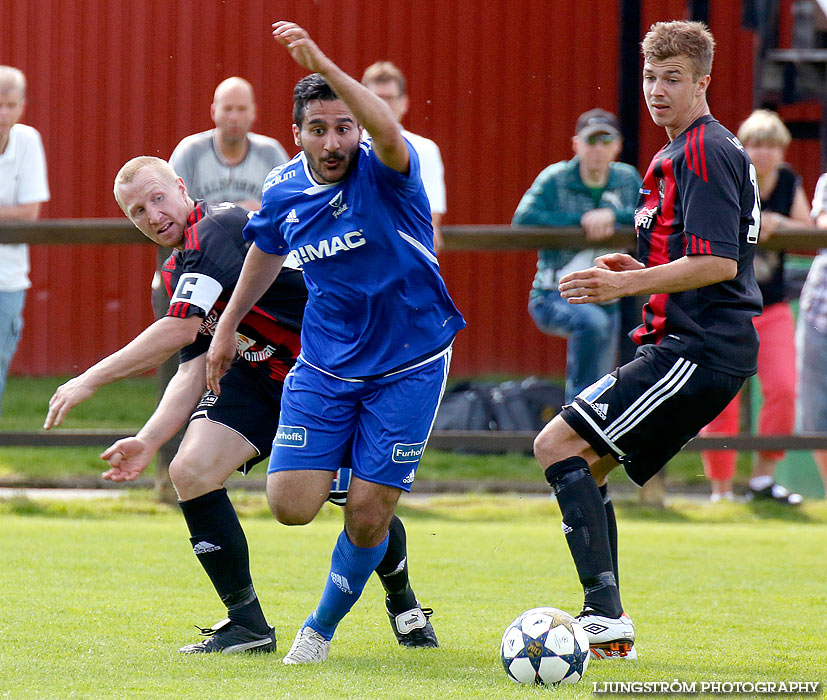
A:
(23, 188)
(386, 80)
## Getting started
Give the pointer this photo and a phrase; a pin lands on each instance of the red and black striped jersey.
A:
(200, 279)
(700, 197)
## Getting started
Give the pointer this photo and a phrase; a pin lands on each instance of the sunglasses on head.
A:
(599, 138)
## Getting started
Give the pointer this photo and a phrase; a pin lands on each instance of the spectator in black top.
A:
(783, 205)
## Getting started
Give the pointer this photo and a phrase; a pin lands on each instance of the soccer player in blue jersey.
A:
(378, 326)
(223, 433)
(697, 224)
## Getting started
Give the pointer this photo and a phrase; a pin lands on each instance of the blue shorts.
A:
(378, 427)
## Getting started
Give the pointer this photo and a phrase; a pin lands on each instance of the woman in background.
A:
(783, 205)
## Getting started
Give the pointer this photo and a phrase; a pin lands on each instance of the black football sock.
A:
(221, 547)
(393, 570)
(611, 522)
(584, 524)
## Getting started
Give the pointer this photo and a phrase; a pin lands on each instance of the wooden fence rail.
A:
(114, 231)
(488, 441)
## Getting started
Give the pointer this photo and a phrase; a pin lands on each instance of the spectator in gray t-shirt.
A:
(228, 163)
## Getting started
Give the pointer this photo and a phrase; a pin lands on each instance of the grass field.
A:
(98, 596)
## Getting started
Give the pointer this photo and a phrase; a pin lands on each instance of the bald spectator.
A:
(228, 163)
(23, 188)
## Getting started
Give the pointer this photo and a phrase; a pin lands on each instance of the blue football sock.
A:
(350, 569)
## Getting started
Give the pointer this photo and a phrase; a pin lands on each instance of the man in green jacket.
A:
(593, 191)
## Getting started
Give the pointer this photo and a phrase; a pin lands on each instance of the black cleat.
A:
(228, 637)
(774, 492)
(413, 628)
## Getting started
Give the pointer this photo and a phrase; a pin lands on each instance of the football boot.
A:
(228, 637)
(308, 647)
(609, 637)
(413, 627)
(774, 492)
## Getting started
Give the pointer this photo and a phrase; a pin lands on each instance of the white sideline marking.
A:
(60, 494)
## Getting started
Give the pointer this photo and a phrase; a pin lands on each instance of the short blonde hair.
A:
(385, 72)
(765, 127)
(681, 38)
(132, 167)
(12, 79)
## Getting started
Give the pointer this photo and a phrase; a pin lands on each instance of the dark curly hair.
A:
(311, 87)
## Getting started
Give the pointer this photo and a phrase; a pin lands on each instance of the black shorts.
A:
(249, 404)
(644, 412)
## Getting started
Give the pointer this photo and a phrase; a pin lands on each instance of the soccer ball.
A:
(545, 646)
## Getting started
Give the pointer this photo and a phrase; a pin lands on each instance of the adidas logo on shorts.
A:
(601, 409)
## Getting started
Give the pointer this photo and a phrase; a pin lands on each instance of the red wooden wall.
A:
(497, 85)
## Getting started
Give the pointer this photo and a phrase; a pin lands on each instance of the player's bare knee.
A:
(541, 447)
(192, 477)
(366, 533)
(182, 474)
(296, 496)
(290, 509)
(367, 526)
(281, 510)
(290, 517)
(291, 514)
(549, 445)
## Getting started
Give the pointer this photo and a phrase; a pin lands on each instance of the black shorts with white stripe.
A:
(644, 412)
(249, 404)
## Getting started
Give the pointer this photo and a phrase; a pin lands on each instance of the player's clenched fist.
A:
(127, 459)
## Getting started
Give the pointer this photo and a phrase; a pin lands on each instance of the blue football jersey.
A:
(376, 299)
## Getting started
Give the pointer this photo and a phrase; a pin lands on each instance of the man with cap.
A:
(593, 191)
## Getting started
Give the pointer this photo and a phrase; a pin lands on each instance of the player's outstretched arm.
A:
(599, 284)
(148, 350)
(127, 458)
(259, 271)
(370, 110)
